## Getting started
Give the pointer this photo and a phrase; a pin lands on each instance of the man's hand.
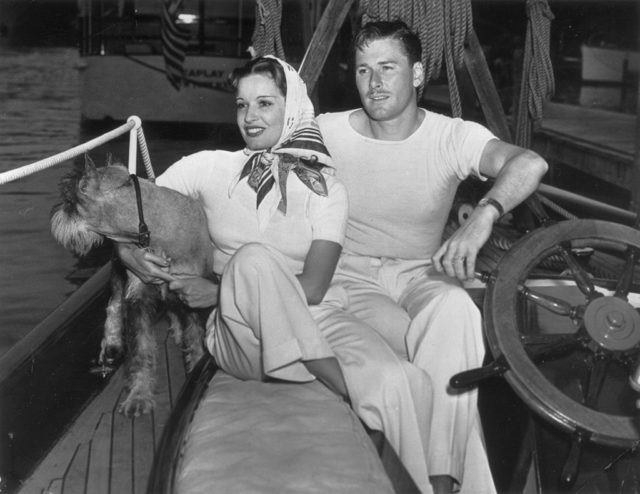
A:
(457, 255)
(195, 291)
(149, 267)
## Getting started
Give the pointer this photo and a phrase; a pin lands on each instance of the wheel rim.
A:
(600, 333)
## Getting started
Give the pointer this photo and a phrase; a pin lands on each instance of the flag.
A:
(174, 43)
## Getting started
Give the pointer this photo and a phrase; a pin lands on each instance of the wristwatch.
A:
(490, 201)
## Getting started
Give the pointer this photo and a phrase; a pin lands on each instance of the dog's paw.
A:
(109, 354)
(134, 406)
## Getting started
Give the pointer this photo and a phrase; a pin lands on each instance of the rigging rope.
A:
(266, 38)
(51, 161)
(537, 72)
(441, 25)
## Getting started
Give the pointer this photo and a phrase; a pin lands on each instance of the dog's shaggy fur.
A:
(100, 203)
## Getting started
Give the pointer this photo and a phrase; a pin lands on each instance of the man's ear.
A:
(418, 74)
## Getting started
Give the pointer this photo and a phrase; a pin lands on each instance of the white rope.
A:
(133, 148)
(133, 124)
(144, 151)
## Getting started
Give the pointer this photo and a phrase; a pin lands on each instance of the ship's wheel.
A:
(563, 325)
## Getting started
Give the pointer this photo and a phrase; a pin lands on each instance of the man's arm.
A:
(517, 173)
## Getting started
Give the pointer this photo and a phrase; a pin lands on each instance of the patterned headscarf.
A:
(300, 149)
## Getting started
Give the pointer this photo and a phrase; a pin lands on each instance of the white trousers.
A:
(264, 327)
(431, 321)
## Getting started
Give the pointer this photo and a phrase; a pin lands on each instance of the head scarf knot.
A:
(300, 149)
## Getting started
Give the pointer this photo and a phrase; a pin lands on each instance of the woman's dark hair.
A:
(389, 29)
(263, 66)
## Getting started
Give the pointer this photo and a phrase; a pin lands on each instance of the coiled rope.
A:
(441, 25)
(538, 82)
(266, 38)
(38, 166)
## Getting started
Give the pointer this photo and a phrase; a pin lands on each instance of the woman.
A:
(276, 219)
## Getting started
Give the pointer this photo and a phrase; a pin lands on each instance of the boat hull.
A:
(117, 86)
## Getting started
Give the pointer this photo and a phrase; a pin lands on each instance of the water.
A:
(39, 117)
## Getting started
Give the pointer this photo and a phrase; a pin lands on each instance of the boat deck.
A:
(242, 433)
(105, 452)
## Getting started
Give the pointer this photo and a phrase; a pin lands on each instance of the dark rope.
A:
(266, 39)
(442, 27)
(537, 72)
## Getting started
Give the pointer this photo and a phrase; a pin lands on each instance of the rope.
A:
(56, 159)
(555, 207)
(266, 38)
(441, 25)
(144, 151)
(537, 72)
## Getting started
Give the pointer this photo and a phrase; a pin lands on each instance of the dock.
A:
(599, 143)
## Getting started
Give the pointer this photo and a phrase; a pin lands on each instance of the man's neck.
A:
(397, 129)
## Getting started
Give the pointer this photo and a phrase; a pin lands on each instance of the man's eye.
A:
(240, 105)
(265, 103)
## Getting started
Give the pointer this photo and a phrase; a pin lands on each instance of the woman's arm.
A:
(195, 291)
(319, 266)
(149, 267)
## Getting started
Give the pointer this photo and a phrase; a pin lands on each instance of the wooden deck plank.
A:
(100, 456)
(76, 475)
(54, 487)
(120, 449)
(171, 377)
(122, 473)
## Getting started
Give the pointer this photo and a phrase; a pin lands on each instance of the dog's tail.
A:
(71, 231)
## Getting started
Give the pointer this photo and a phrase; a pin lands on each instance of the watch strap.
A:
(490, 201)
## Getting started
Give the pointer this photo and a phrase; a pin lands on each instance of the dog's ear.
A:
(89, 165)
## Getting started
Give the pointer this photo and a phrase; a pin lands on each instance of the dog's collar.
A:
(144, 235)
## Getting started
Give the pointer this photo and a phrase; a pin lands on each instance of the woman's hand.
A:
(195, 291)
(147, 266)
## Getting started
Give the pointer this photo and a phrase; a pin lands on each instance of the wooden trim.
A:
(322, 41)
(62, 316)
(478, 69)
(166, 462)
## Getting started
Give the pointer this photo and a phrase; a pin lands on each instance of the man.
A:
(401, 166)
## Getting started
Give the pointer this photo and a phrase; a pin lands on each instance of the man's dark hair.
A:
(389, 29)
(264, 66)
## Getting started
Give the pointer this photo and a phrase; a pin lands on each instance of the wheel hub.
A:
(612, 323)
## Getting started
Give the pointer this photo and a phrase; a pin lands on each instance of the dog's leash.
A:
(143, 231)
(106, 368)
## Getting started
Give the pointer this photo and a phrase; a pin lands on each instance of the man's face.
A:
(385, 79)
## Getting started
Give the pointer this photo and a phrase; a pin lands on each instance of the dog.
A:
(101, 203)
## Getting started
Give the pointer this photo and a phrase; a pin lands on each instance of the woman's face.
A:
(259, 111)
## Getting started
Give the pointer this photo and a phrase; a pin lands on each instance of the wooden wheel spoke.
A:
(580, 275)
(553, 304)
(626, 278)
(542, 348)
(568, 377)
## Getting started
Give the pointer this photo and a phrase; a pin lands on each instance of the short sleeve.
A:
(187, 174)
(328, 215)
(465, 143)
